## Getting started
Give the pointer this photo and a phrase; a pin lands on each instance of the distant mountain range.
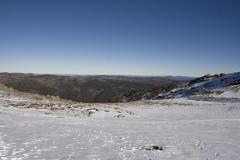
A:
(105, 88)
(88, 88)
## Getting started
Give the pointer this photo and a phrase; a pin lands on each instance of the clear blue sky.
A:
(124, 37)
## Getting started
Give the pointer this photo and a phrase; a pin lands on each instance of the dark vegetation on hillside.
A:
(205, 78)
(89, 88)
(150, 93)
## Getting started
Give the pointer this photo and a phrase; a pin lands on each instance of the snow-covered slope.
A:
(45, 127)
(227, 92)
(205, 86)
(37, 128)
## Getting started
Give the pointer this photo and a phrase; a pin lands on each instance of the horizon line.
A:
(123, 75)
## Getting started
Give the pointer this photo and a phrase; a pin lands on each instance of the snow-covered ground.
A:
(228, 92)
(33, 127)
(205, 86)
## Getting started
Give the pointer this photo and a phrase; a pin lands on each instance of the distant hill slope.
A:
(85, 88)
(205, 85)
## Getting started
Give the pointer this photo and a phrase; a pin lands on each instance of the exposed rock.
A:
(120, 116)
(90, 111)
(154, 147)
(217, 154)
